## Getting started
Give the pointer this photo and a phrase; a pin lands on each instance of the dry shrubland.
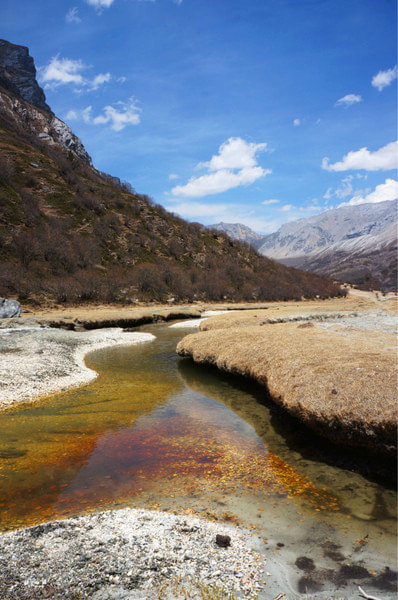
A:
(69, 233)
(342, 386)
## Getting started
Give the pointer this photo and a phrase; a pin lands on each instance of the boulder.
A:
(9, 308)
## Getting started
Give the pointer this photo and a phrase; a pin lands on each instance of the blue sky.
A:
(254, 111)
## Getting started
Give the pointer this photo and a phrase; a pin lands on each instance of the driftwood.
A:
(365, 595)
(279, 597)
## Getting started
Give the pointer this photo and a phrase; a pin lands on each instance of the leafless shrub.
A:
(7, 169)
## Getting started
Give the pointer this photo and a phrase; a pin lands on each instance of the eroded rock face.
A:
(9, 308)
(23, 101)
(18, 74)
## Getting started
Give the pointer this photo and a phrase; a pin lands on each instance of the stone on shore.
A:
(9, 308)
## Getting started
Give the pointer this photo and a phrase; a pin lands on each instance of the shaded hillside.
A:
(71, 233)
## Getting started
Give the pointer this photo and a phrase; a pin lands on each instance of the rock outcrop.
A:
(9, 308)
(18, 74)
(23, 101)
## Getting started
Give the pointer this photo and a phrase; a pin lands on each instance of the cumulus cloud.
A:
(384, 159)
(385, 191)
(385, 78)
(234, 165)
(72, 16)
(349, 100)
(271, 201)
(66, 71)
(118, 116)
(296, 122)
(287, 207)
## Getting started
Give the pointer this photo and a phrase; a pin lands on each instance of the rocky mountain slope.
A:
(71, 233)
(353, 243)
(239, 232)
(23, 102)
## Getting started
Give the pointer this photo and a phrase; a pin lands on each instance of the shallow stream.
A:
(156, 431)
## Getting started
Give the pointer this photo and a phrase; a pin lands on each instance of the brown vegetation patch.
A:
(342, 386)
(70, 234)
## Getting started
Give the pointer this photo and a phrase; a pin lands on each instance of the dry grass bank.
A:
(340, 383)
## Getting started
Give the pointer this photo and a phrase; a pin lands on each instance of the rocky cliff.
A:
(23, 101)
(18, 74)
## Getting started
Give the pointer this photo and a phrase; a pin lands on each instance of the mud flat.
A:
(335, 371)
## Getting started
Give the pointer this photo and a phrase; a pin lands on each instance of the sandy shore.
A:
(335, 370)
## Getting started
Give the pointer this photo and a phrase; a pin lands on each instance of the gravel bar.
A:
(36, 361)
(127, 554)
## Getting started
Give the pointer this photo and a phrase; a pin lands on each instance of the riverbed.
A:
(155, 431)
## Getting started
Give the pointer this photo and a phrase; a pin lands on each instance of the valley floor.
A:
(135, 554)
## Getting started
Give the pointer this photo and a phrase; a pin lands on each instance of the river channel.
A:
(156, 431)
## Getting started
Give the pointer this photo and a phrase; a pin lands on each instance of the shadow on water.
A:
(297, 438)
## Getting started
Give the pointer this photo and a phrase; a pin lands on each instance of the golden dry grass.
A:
(343, 386)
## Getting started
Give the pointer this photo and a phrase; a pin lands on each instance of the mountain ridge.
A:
(69, 233)
(356, 244)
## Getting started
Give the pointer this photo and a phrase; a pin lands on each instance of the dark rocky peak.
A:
(18, 74)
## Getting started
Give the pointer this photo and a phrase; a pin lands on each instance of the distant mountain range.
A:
(357, 244)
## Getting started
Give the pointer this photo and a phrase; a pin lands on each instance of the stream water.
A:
(156, 431)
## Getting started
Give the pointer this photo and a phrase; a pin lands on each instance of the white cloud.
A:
(100, 79)
(234, 165)
(235, 153)
(349, 100)
(385, 78)
(296, 122)
(121, 79)
(345, 188)
(99, 5)
(385, 191)
(126, 113)
(384, 159)
(118, 116)
(271, 201)
(287, 207)
(173, 176)
(71, 115)
(219, 181)
(226, 212)
(61, 71)
(72, 16)
(64, 71)
(328, 194)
